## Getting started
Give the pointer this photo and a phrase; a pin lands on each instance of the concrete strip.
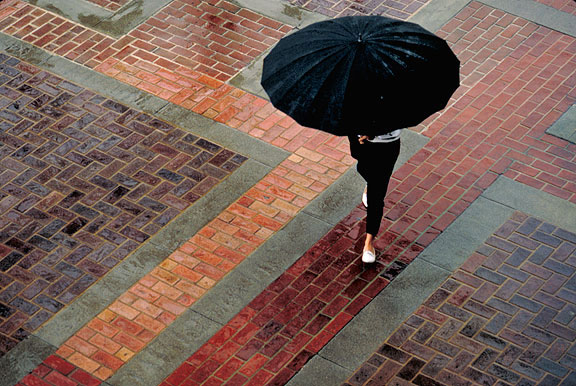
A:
(466, 233)
(373, 325)
(22, 359)
(565, 126)
(538, 13)
(533, 202)
(437, 13)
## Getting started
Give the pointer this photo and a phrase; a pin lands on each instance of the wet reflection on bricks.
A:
(84, 180)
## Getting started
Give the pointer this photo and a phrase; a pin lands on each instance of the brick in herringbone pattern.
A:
(84, 180)
(507, 316)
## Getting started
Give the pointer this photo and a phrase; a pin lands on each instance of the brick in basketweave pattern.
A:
(213, 37)
(293, 318)
(84, 181)
(399, 9)
(506, 316)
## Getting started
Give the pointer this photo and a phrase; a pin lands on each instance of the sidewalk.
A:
(163, 224)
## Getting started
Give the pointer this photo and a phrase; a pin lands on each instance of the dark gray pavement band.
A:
(374, 324)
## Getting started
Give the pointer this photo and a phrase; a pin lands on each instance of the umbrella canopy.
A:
(360, 75)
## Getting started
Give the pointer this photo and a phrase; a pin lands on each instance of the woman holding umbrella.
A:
(365, 77)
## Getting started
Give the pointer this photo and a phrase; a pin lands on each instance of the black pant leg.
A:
(375, 164)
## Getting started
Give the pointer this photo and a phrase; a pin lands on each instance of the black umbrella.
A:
(360, 75)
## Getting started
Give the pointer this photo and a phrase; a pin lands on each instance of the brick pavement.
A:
(496, 127)
(507, 316)
(84, 182)
(452, 170)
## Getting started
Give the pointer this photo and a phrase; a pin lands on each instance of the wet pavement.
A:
(163, 224)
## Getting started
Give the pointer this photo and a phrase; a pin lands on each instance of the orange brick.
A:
(85, 333)
(128, 326)
(186, 273)
(186, 248)
(206, 282)
(144, 293)
(105, 343)
(185, 259)
(186, 300)
(148, 281)
(83, 362)
(267, 222)
(210, 271)
(154, 325)
(103, 328)
(65, 351)
(229, 254)
(264, 209)
(81, 346)
(191, 289)
(170, 305)
(147, 308)
(164, 275)
(223, 226)
(129, 342)
(124, 310)
(103, 373)
(245, 224)
(127, 298)
(124, 354)
(227, 240)
(286, 207)
(107, 360)
(241, 211)
(167, 290)
(204, 243)
(208, 257)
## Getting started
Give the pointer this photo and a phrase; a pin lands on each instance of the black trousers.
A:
(375, 164)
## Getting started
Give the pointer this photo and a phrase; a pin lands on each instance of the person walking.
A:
(376, 158)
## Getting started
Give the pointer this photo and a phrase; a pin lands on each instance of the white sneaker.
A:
(365, 197)
(368, 257)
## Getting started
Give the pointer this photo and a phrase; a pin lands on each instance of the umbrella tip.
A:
(360, 38)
